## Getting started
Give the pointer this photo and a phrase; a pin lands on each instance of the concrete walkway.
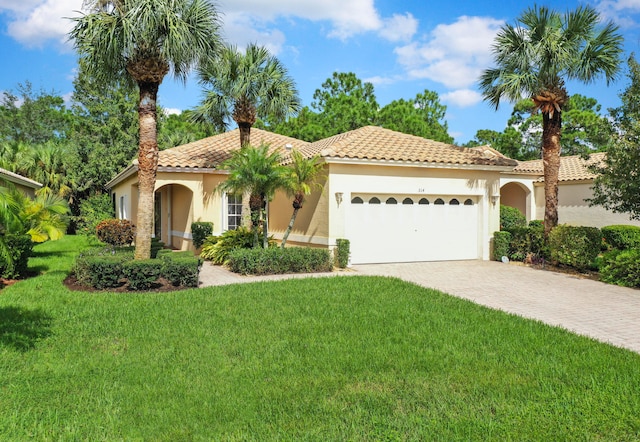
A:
(605, 312)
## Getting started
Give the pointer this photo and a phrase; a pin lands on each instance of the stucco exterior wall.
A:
(349, 179)
(574, 210)
(311, 225)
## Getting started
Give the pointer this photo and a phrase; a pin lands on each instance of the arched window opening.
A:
(407, 201)
(439, 201)
(392, 200)
(357, 200)
(468, 202)
(374, 200)
(454, 202)
(423, 201)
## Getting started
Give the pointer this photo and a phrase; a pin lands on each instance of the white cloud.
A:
(348, 17)
(399, 27)
(462, 98)
(378, 80)
(171, 111)
(455, 54)
(48, 20)
(620, 11)
(241, 29)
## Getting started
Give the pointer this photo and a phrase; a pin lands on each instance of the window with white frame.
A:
(234, 211)
(122, 211)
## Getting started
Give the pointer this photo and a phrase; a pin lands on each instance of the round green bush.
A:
(511, 218)
(621, 237)
(575, 246)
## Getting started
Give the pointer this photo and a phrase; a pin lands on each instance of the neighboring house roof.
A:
(377, 143)
(19, 179)
(572, 168)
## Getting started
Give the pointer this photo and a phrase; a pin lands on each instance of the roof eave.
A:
(424, 164)
(19, 179)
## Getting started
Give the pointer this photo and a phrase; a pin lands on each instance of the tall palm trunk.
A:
(147, 167)
(551, 131)
(245, 133)
(297, 205)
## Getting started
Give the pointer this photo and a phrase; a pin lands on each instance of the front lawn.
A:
(339, 358)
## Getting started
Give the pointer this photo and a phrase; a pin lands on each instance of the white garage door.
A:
(391, 228)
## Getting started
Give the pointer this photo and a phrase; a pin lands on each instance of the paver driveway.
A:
(605, 312)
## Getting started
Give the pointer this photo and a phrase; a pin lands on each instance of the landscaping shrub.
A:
(156, 246)
(20, 248)
(199, 231)
(501, 244)
(116, 232)
(621, 267)
(100, 272)
(142, 274)
(93, 210)
(342, 251)
(102, 268)
(217, 248)
(621, 237)
(575, 246)
(181, 270)
(275, 260)
(112, 267)
(510, 218)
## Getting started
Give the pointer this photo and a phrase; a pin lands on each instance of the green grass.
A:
(345, 358)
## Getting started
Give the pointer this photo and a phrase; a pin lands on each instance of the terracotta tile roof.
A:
(572, 168)
(210, 152)
(376, 143)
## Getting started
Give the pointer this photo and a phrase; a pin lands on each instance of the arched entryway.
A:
(516, 195)
(174, 214)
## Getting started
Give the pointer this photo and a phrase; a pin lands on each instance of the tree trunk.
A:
(297, 205)
(551, 131)
(289, 227)
(265, 223)
(147, 167)
(245, 133)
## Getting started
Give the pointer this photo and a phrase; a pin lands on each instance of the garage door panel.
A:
(412, 232)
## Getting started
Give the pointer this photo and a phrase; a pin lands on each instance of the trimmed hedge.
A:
(276, 260)
(142, 274)
(199, 232)
(501, 245)
(20, 247)
(343, 247)
(621, 237)
(182, 271)
(114, 267)
(575, 246)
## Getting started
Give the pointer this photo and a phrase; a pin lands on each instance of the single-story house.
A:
(24, 184)
(396, 197)
(523, 188)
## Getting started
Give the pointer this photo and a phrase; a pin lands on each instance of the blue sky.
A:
(402, 47)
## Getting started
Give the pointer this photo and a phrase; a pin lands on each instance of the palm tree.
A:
(245, 86)
(46, 164)
(259, 173)
(141, 41)
(302, 179)
(535, 57)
